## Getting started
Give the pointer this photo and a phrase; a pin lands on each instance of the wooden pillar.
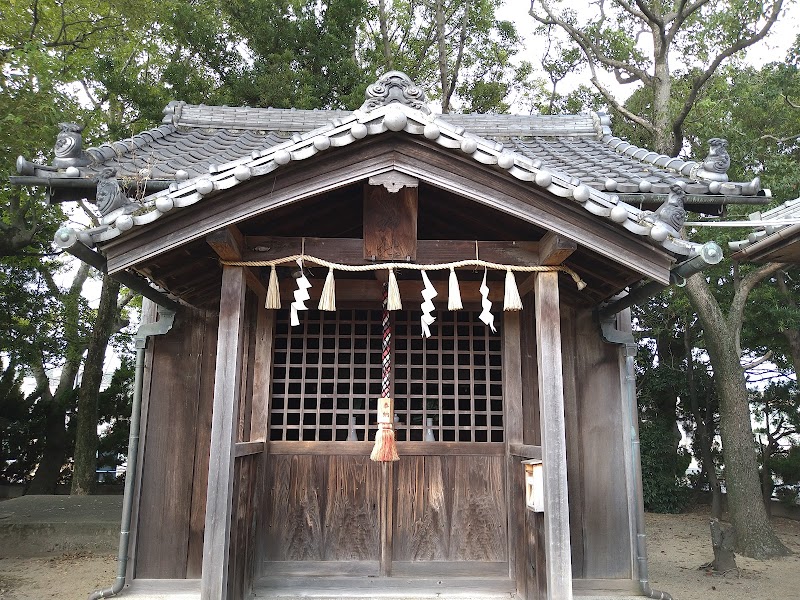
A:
(512, 399)
(554, 445)
(224, 423)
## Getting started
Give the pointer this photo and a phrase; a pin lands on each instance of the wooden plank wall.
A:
(599, 519)
(171, 508)
(245, 475)
(599, 532)
(450, 508)
(322, 508)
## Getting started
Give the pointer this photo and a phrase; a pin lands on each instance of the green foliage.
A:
(114, 413)
(663, 483)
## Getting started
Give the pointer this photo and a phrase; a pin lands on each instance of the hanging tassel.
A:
(393, 302)
(454, 294)
(385, 448)
(273, 292)
(511, 300)
(328, 299)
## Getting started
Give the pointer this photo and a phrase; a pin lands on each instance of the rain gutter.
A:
(625, 339)
(707, 255)
(166, 318)
(67, 239)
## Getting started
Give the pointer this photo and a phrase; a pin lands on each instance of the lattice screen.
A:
(327, 375)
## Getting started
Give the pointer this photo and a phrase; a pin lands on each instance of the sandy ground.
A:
(678, 545)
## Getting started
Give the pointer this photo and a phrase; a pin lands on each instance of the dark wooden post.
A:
(554, 446)
(227, 389)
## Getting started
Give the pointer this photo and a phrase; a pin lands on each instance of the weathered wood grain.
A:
(390, 223)
(351, 250)
(529, 370)
(605, 519)
(352, 508)
(219, 499)
(554, 452)
(167, 478)
(422, 513)
(295, 496)
(514, 423)
(479, 514)
(202, 451)
(573, 420)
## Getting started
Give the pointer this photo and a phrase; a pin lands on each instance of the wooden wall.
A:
(595, 429)
(446, 509)
(176, 420)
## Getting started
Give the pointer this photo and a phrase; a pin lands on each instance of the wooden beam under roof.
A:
(228, 243)
(554, 249)
(351, 250)
(414, 157)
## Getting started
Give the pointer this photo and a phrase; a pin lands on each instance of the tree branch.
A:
(748, 282)
(699, 82)
(590, 49)
(753, 364)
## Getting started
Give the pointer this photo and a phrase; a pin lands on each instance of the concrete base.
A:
(43, 525)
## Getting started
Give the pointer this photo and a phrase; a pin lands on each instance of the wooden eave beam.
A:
(553, 250)
(416, 157)
(351, 250)
(228, 243)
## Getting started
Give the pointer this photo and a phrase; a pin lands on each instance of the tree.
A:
(779, 407)
(459, 48)
(721, 332)
(700, 36)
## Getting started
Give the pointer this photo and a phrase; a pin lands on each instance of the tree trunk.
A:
(703, 435)
(48, 472)
(84, 476)
(662, 90)
(754, 534)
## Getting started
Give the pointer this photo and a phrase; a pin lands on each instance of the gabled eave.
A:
(404, 120)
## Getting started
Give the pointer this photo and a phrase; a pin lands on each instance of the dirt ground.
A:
(678, 545)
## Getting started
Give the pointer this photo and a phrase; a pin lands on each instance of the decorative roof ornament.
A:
(394, 86)
(715, 166)
(668, 219)
(111, 200)
(69, 147)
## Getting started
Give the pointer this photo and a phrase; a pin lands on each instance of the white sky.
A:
(773, 48)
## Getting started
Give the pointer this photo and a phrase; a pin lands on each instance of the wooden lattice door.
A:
(438, 510)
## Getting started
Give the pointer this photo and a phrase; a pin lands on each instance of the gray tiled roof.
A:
(785, 215)
(199, 150)
(194, 138)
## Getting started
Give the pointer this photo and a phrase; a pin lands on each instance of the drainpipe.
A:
(625, 339)
(707, 255)
(166, 318)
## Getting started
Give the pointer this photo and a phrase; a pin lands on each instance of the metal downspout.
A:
(625, 339)
(707, 255)
(166, 318)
